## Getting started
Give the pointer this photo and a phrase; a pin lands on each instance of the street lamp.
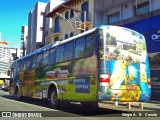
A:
(75, 10)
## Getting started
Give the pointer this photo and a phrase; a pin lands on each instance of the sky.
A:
(14, 14)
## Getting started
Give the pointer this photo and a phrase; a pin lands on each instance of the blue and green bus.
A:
(107, 63)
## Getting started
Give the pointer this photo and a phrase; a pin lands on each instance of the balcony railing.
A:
(80, 20)
(55, 32)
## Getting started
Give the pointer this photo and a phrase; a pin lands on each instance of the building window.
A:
(71, 14)
(71, 34)
(66, 36)
(66, 15)
(85, 8)
(56, 25)
(56, 39)
(82, 31)
(113, 18)
(142, 8)
(87, 29)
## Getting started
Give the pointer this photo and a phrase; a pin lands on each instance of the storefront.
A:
(150, 28)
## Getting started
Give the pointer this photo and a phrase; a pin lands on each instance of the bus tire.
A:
(53, 99)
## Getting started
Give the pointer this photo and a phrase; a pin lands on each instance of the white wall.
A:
(126, 10)
(97, 18)
(25, 33)
(155, 4)
(39, 22)
(55, 3)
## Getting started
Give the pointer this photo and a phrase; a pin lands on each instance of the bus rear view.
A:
(124, 73)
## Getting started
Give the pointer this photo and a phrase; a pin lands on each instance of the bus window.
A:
(45, 58)
(39, 61)
(13, 65)
(29, 63)
(16, 71)
(23, 65)
(34, 61)
(69, 51)
(79, 48)
(51, 57)
(89, 45)
(60, 54)
(18, 66)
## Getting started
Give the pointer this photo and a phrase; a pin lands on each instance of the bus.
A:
(106, 63)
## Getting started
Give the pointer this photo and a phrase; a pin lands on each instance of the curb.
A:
(140, 105)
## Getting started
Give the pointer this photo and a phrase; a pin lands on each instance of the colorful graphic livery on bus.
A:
(105, 63)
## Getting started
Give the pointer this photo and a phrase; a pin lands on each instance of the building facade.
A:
(5, 60)
(47, 22)
(140, 15)
(24, 35)
(68, 19)
(35, 27)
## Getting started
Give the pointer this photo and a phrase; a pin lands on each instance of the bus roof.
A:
(70, 39)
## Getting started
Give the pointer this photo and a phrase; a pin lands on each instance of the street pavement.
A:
(76, 111)
(147, 106)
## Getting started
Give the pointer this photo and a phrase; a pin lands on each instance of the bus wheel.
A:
(53, 100)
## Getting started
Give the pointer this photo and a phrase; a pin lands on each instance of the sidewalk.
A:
(151, 105)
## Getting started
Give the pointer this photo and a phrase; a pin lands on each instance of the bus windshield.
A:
(123, 44)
